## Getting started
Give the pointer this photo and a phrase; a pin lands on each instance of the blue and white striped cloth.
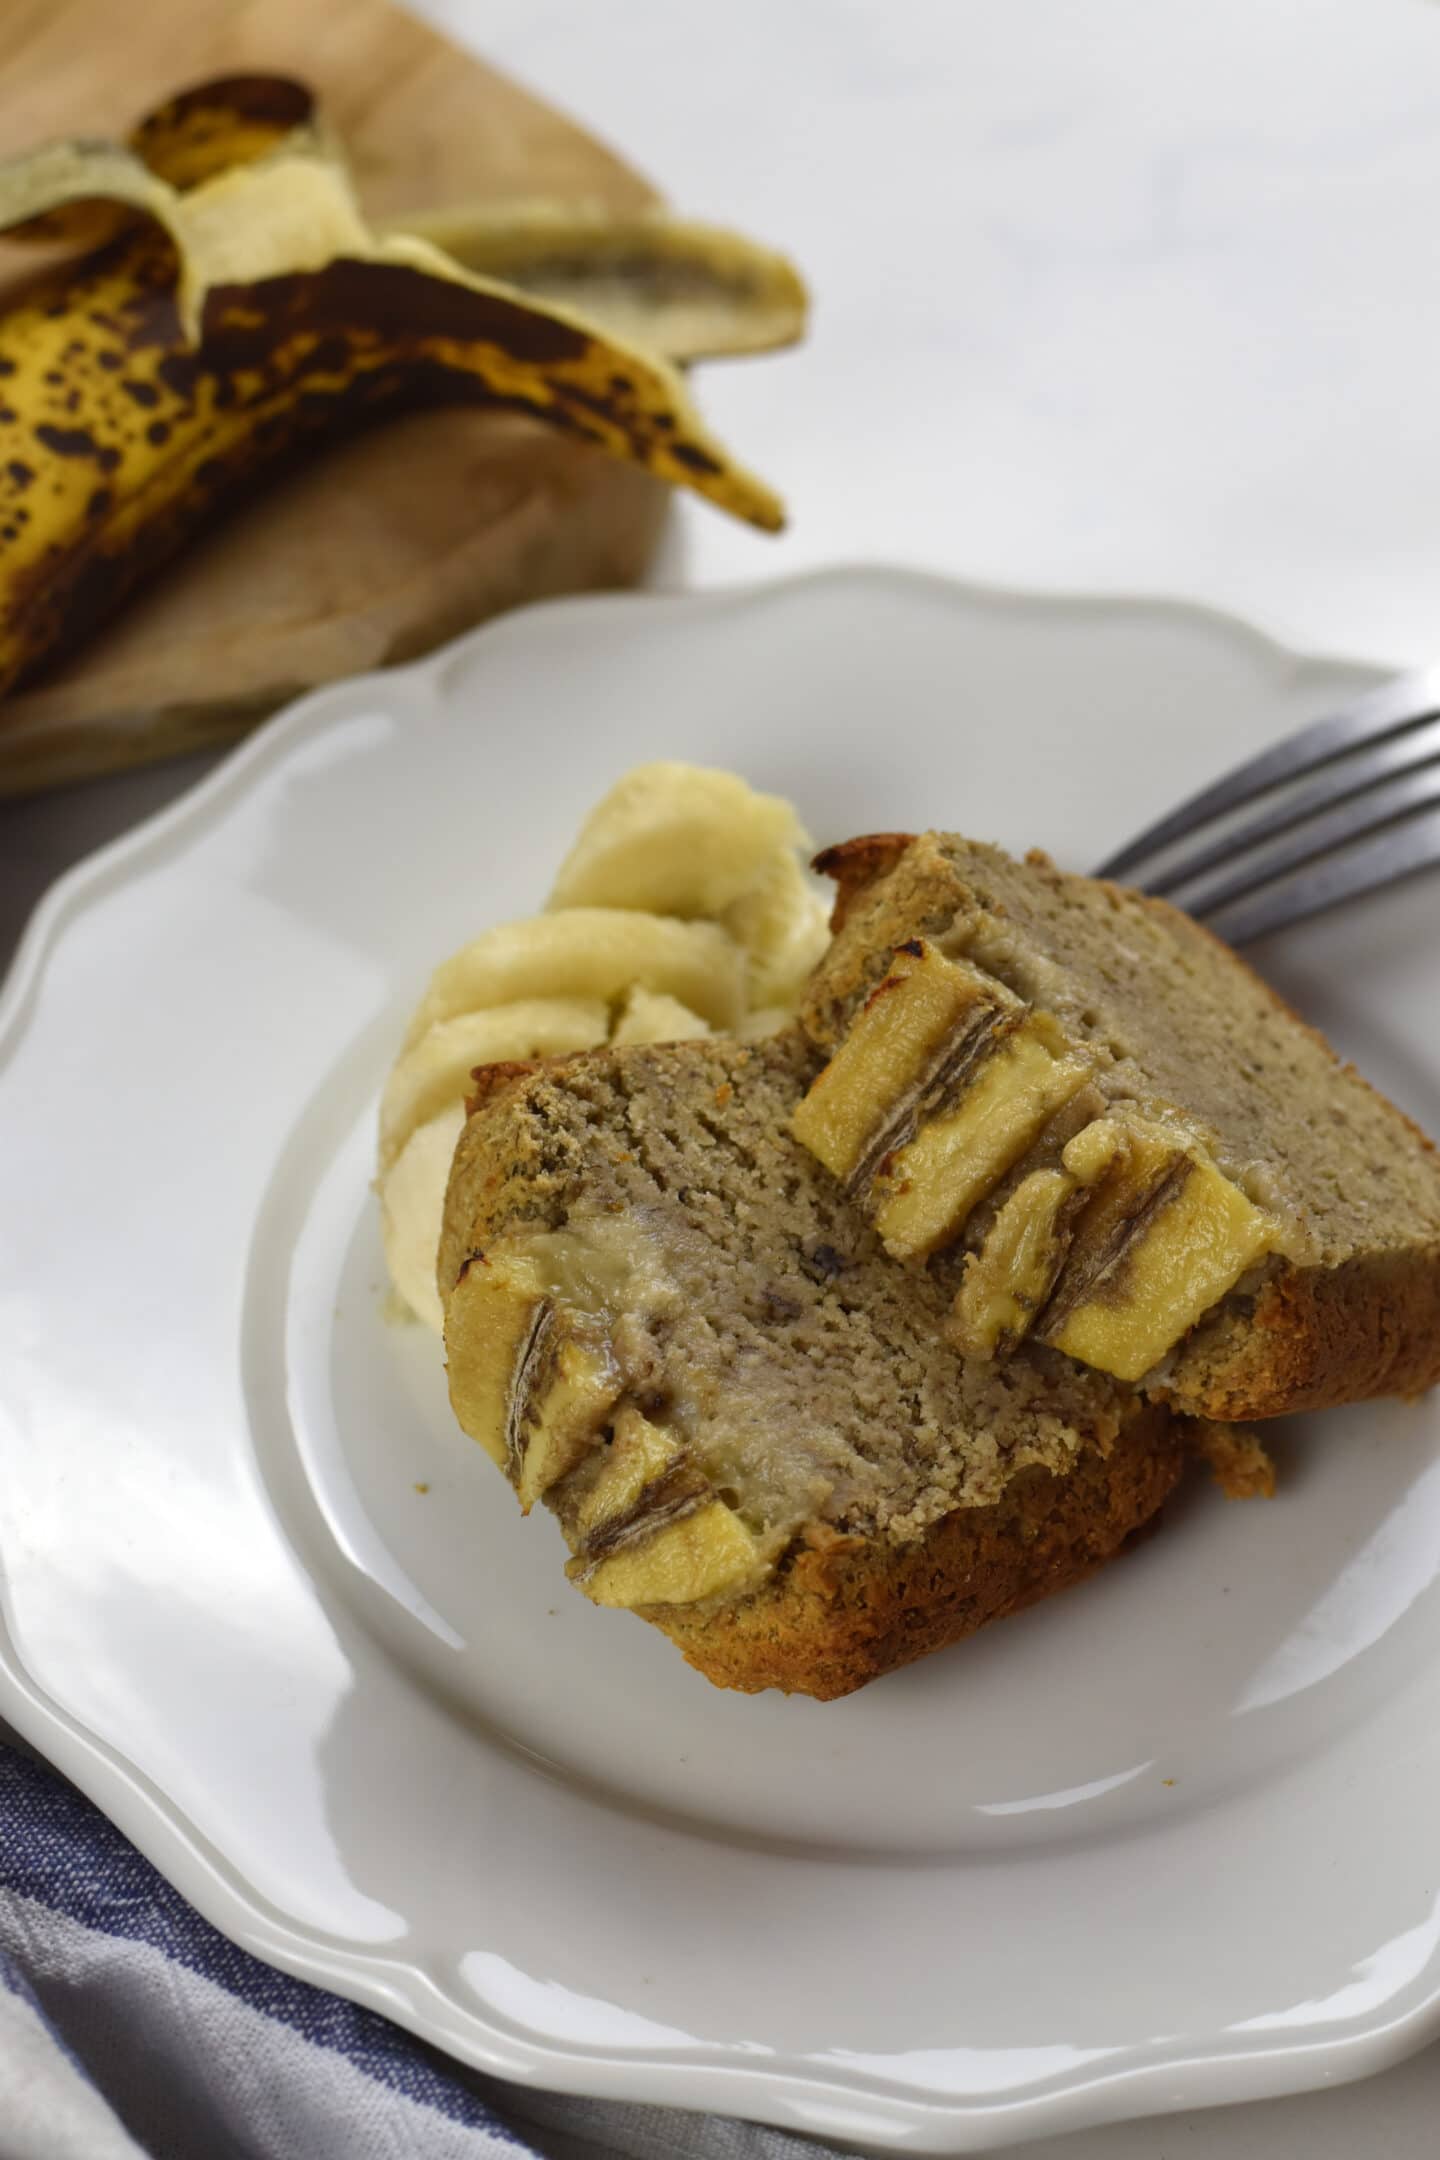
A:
(131, 2030)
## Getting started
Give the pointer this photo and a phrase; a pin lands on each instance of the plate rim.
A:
(804, 2100)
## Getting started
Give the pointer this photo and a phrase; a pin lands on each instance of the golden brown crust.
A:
(1315, 1338)
(856, 865)
(489, 1082)
(834, 1617)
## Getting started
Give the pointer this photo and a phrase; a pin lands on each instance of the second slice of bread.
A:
(1348, 1305)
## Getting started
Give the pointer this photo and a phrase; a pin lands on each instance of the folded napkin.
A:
(131, 2030)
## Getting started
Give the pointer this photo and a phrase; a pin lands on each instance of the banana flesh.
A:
(240, 308)
(536, 1379)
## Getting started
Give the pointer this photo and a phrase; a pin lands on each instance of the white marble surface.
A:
(1134, 296)
(1130, 296)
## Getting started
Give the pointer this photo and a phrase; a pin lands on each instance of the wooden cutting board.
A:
(385, 546)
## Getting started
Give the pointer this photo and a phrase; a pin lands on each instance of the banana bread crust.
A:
(1314, 1339)
(834, 1617)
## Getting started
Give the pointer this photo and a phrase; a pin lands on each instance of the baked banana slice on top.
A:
(1138, 1153)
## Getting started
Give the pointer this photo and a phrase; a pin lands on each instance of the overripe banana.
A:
(235, 305)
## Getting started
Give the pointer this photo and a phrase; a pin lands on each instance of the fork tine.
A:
(1347, 822)
(1339, 782)
(1395, 853)
(1386, 710)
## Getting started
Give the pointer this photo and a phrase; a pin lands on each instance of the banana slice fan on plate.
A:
(228, 302)
(682, 909)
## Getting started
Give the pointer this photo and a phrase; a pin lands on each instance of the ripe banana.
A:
(235, 306)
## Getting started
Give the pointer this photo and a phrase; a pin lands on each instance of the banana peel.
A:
(231, 120)
(688, 290)
(691, 291)
(240, 306)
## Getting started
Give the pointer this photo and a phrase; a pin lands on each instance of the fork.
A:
(1340, 808)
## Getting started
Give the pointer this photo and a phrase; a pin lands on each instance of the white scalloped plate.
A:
(1166, 1840)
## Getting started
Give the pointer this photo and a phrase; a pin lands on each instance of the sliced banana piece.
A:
(926, 1191)
(783, 923)
(923, 1021)
(765, 1020)
(529, 1325)
(638, 1456)
(412, 1201)
(693, 1557)
(491, 1319)
(1009, 1279)
(648, 1016)
(598, 952)
(649, 1528)
(676, 840)
(1165, 1237)
(563, 1384)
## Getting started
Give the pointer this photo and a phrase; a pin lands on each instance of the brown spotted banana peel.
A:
(231, 319)
(687, 290)
(229, 120)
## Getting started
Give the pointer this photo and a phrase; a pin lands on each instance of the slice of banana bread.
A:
(667, 1321)
(1139, 1152)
